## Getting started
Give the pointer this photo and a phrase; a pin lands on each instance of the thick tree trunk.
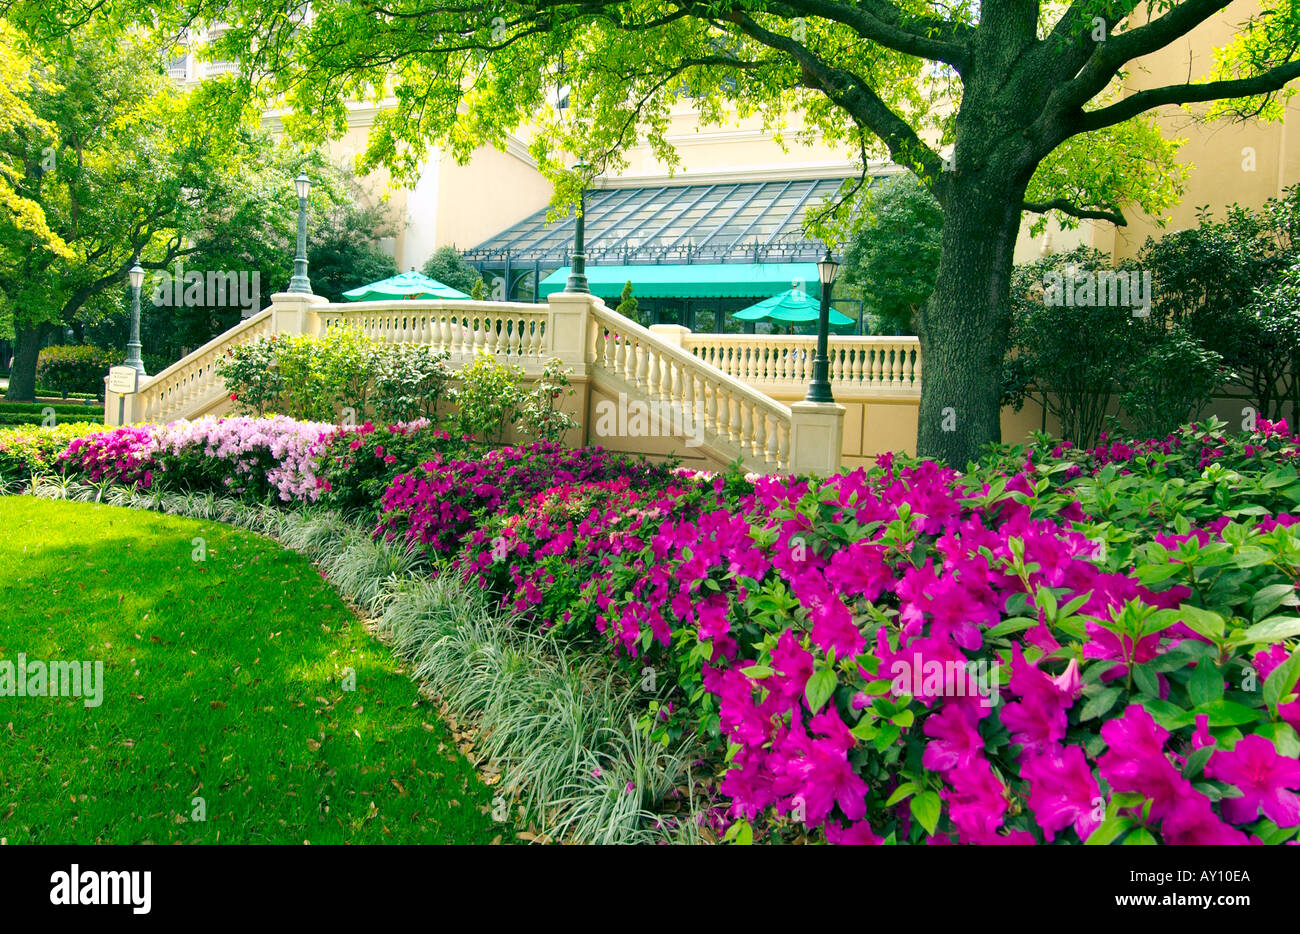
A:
(963, 328)
(22, 375)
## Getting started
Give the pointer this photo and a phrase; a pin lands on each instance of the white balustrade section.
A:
(695, 391)
(890, 364)
(505, 329)
(192, 384)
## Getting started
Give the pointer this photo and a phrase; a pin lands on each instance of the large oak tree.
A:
(1026, 98)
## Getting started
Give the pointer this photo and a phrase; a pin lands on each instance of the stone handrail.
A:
(868, 363)
(728, 411)
(463, 328)
(192, 382)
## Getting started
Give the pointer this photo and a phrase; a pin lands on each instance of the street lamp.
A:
(819, 390)
(300, 282)
(578, 267)
(135, 275)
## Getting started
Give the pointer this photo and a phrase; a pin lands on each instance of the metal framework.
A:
(739, 222)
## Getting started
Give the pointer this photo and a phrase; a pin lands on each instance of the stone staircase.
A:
(696, 409)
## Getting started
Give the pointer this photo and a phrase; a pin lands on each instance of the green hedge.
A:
(75, 368)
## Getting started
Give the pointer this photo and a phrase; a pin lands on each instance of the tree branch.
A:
(1068, 207)
(882, 22)
(856, 96)
(1272, 80)
(1109, 56)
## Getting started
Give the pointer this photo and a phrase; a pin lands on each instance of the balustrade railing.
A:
(698, 393)
(192, 383)
(863, 363)
(509, 329)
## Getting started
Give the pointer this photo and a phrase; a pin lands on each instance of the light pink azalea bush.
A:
(253, 458)
(243, 455)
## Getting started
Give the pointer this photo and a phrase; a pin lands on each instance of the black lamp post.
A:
(300, 282)
(578, 267)
(135, 275)
(819, 390)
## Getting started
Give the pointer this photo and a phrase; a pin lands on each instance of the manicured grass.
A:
(223, 679)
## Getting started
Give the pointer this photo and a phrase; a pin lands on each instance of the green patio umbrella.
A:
(794, 306)
(406, 285)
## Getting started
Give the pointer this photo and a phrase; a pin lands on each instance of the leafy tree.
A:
(627, 306)
(1070, 358)
(894, 255)
(448, 267)
(1027, 98)
(253, 233)
(1169, 381)
(20, 75)
(1220, 281)
(342, 254)
(120, 162)
(1270, 328)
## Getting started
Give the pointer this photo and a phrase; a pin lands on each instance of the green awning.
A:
(693, 280)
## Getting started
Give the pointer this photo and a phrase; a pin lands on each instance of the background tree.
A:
(1220, 282)
(120, 162)
(448, 267)
(1070, 359)
(117, 158)
(1271, 326)
(894, 254)
(1025, 100)
(627, 306)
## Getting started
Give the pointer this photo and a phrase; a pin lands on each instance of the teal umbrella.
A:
(792, 307)
(406, 285)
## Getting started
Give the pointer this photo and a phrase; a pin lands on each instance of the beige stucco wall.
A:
(451, 204)
(1231, 162)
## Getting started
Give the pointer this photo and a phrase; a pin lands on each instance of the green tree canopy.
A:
(894, 255)
(449, 267)
(119, 164)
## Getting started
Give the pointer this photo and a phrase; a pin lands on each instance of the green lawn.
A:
(223, 679)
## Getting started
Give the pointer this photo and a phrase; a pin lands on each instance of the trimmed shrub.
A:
(69, 368)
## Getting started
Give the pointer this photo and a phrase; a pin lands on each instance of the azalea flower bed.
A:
(907, 654)
(1057, 647)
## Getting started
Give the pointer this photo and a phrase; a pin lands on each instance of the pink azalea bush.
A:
(275, 456)
(910, 655)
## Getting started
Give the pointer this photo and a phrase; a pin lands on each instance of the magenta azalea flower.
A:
(1062, 791)
(856, 834)
(1136, 762)
(1264, 778)
(976, 801)
(955, 736)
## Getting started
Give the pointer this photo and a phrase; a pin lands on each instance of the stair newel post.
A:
(296, 313)
(816, 437)
(568, 328)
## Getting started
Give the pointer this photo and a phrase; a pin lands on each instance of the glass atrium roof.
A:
(727, 222)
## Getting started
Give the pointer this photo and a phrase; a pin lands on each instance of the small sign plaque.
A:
(122, 379)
